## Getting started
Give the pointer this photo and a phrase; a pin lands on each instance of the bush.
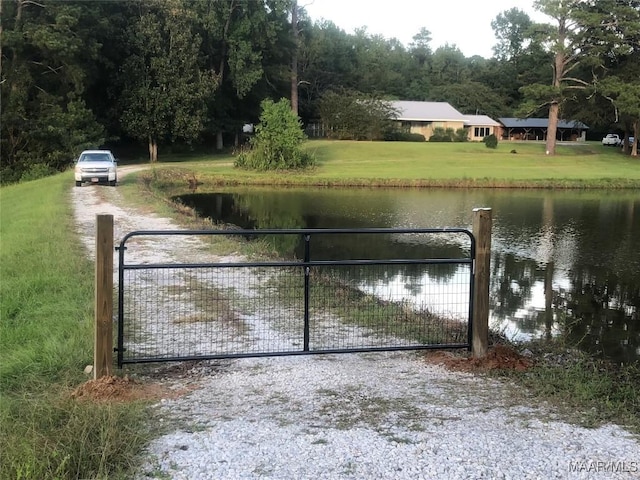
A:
(442, 135)
(36, 171)
(397, 136)
(276, 144)
(491, 141)
(462, 135)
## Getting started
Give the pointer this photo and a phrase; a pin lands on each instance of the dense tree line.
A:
(77, 74)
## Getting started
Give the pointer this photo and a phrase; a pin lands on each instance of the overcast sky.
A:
(466, 23)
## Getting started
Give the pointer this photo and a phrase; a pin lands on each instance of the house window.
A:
(481, 131)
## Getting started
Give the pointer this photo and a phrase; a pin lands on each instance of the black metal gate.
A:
(226, 308)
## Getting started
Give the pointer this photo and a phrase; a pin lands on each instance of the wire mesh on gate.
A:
(221, 310)
(359, 307)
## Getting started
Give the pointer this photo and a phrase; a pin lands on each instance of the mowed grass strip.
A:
(351, 163)
(470, 160)
(46, 320)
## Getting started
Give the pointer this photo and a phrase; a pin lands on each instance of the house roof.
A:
(426, 111)
(480, 120)
(540, 123)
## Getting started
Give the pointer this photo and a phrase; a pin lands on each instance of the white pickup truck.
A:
(612, 139)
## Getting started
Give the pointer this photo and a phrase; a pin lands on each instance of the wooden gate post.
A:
(103, 340)
(480, 326)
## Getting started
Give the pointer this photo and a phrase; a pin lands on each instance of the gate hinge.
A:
(118, 248)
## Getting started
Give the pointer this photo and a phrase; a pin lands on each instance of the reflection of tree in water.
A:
(604, 315)
(267, 215)
(599, 313)
(413, 276)
(511, 282)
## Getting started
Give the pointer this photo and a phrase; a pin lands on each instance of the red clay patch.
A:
(121, 389)
(499, 357)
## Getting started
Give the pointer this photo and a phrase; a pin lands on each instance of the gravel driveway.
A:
(359, 416)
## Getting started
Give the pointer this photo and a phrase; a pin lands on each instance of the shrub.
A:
(461, 135)
(397, 136)
(276, 144)
(36, 171)
(442, 135)
(491, 141)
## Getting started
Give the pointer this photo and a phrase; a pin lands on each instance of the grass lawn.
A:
(434, 164)
(46, 320)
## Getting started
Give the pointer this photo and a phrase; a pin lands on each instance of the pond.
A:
(564, 263)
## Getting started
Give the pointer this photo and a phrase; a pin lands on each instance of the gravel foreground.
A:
(352, 416)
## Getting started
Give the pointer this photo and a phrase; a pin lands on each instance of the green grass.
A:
(46, 288)
(350, 163)
(46, 321)
(586, 390)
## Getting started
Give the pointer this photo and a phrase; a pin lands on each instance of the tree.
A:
(511, 28)
(471, 98)
(585, 35)
(278, 140)
(46, 52)
(349, 114)
(246, 44)
(294, 56)
(617, 37)
(449, 66)
(625, 96)
(420, 49)
(417, 74)
(563, 40)
(164, 89)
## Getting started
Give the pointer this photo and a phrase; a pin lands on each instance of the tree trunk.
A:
(1, 37)
(548, 300)
(294, 57)
(552, 128)
(153, 150)
(223, 56)
(223, 59)
(14, 50)
(559, 65)
(636, 138)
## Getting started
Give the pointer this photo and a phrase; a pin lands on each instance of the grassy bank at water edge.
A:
(349, 163)
(46, 315)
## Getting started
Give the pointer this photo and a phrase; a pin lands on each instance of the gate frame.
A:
(477, 335)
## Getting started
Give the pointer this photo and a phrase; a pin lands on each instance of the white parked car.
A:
(612, 139)
(96, 166)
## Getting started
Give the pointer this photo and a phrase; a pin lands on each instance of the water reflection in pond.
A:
(562, 262)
